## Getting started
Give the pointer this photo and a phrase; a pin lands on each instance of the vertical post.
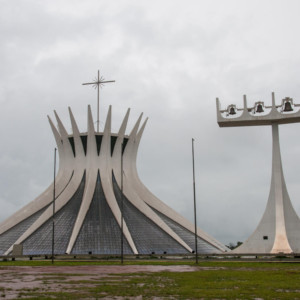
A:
(194, 192)
(122, 200)
(53, 206)
(98, 94)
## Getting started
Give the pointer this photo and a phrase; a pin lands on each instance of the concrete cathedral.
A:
(89, 203)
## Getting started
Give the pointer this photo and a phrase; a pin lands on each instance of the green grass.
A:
(159, 262)
(224, 280)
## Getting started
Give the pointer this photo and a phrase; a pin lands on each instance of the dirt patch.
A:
(99, 269)
(18, 281)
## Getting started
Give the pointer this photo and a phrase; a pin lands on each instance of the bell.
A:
(259, 108)
(232, 111)
(287, 106)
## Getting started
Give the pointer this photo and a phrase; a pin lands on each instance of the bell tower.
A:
(279, 228)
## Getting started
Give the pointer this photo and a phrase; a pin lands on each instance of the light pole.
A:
(53, 206)
(122, 199)
(194, 192)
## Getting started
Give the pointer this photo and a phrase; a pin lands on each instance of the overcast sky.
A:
(170, 60)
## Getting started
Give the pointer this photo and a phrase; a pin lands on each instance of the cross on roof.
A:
(97, 83)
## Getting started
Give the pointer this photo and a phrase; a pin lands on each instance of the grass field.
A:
(209, 280)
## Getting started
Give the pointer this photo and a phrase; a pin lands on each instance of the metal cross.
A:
(97, 83)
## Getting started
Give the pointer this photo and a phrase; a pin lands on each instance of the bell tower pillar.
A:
(278, 195)
(279, 229)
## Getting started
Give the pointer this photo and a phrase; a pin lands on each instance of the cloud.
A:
(170, 60)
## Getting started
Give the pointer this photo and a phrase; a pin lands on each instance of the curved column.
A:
(63, 178)
(106, 178)
(91, 178)
(79, 151)
(116, 156)
(60, 202)
(69, 167)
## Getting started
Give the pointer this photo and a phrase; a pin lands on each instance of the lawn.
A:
(208, 280)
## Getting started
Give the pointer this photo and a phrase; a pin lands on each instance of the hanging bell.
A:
(232, 110)
(287, 106)
(259, 108)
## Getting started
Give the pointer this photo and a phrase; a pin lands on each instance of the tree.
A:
(233, 246)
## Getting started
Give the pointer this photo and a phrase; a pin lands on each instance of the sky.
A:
(170, 60)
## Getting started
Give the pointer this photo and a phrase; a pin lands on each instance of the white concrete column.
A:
(281, 243)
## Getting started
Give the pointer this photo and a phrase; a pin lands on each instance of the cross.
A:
(98, 82)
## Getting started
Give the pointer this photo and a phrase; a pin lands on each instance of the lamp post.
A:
(122, 200)
(53, 219)
(194, 192)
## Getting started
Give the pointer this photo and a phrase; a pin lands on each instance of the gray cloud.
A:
(170, 60)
